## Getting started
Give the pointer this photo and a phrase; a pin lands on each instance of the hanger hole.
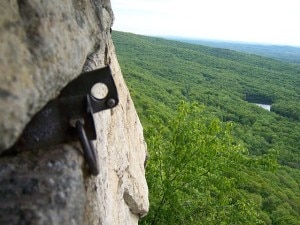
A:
(99, 91)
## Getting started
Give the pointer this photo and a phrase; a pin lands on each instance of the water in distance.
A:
(264, 106)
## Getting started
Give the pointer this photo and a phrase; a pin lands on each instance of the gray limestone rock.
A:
(42, 187)
(43, 46)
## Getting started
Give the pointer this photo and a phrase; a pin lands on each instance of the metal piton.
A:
(69, 117)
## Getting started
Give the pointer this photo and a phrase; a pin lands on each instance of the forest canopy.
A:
(161, 74)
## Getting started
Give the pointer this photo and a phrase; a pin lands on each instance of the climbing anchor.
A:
(69, 117)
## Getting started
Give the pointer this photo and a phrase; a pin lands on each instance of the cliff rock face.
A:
(43, 46)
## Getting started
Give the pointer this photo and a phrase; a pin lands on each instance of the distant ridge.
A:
(280, 52)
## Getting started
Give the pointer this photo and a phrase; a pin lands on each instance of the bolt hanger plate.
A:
(52, 125)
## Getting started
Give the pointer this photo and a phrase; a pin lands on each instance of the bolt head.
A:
(111, 102)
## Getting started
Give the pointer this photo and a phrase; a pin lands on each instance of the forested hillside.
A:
(285, 53)
(204, 132)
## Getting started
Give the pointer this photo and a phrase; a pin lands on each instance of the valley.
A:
(162, 73)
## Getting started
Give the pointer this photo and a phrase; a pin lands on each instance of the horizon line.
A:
(168, 36)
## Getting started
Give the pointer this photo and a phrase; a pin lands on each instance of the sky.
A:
(252, 21)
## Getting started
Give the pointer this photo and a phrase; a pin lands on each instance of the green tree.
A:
(160, 73)
(193, 171)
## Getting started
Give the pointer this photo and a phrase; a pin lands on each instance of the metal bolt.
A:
(111, 102)
(74, 120)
